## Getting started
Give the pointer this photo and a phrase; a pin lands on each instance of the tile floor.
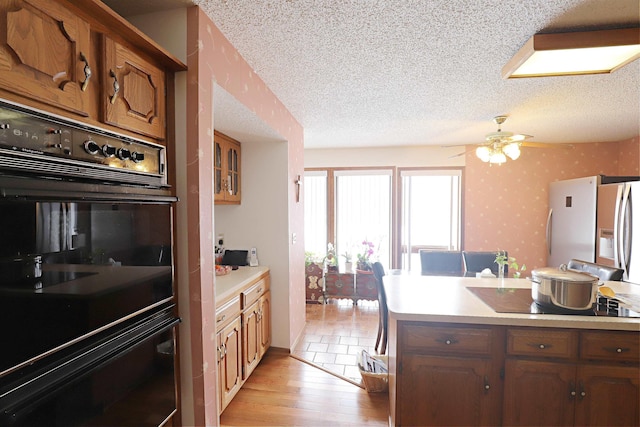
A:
(335, 332)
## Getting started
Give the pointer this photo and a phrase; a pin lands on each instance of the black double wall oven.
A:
(86, 275)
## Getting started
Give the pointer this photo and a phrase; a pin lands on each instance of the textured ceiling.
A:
(359, 73)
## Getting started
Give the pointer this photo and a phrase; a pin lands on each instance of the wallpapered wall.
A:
(506, 206)
(211, 58)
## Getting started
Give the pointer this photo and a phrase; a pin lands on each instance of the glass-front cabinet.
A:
(227, 161)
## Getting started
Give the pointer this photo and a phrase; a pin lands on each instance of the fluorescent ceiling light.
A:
(591, 52)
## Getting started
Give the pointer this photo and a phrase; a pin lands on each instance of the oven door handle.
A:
(32, 392)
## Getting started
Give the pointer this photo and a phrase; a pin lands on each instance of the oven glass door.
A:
(72, 268)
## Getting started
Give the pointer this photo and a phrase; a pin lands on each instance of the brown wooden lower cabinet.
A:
(256, 326)
(449, 391)
(230, 361)
(445, 375)
(243, 326)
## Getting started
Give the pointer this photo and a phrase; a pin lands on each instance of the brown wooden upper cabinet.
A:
(227, 161)
(133, 91)
(81, 60)
(45, 54)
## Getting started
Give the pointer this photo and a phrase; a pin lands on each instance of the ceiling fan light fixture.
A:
(497, 158)
(483, 153)
(512, 150)
(576, 53)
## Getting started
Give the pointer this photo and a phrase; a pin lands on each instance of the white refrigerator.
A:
(571, 221)
(618, 228)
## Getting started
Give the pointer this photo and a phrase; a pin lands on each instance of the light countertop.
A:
(230, 284)
(447, 299)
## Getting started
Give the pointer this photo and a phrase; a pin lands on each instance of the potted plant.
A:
(331, 260)
(502, 259)
(364, 256)
(348, 264)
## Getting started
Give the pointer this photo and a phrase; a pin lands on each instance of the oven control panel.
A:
(35, 135)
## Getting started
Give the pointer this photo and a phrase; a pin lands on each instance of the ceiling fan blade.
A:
(519, 137)
(462, 154)
(546, 145)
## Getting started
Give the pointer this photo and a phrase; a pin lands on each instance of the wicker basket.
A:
(374, 382)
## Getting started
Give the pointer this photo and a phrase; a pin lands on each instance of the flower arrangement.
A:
(364, 255)
(502, 259)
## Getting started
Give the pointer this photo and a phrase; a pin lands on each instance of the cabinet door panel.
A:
(538, 393)
(251, 339)
(452, 391)
(608, 396)
(43, 49)
(226, 167)
(230, 369)
(134, 91)
(265, 323)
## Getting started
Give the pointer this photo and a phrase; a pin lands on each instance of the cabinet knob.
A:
(487, 386)
(542, 346)
(87, 72)
(618, 350)
(116, 86)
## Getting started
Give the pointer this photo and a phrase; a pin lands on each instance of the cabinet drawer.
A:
(610, 346)
(252, 294)
(542, 343)
(227, 312)
(444, 339)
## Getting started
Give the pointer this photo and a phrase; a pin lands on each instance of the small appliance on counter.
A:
(253, 257)
(235, 257)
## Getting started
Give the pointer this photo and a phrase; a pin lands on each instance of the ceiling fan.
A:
(500, 144)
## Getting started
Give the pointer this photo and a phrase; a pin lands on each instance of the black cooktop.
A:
(510, 300)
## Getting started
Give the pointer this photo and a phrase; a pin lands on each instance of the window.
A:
(315, 212)
(431, 213)
(347, 206)
(363, 212)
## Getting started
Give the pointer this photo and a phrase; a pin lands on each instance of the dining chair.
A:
(475, 262)
(383, 318)
(602, 271)
(441, 263)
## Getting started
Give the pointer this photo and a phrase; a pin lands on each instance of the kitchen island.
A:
(454, 360)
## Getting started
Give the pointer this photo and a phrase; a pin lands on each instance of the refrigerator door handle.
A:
(623, 221)
(548, 233)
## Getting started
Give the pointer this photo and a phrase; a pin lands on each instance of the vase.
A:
(364, 266)
(348, 267)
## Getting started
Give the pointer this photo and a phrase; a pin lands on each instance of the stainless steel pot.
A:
(20, 268)
(563, 288)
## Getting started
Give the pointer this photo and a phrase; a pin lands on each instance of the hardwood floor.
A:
(284, 391)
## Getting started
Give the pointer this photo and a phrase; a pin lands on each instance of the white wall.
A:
(261, 222)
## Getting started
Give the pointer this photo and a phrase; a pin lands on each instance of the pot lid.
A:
(563, 273)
